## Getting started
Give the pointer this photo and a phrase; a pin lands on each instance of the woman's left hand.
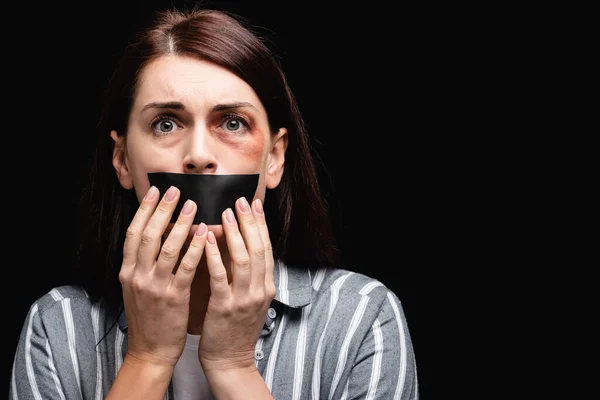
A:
(236, 310)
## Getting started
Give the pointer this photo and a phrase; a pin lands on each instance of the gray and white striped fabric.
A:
(329, 334)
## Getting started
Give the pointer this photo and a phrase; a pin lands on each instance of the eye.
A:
(164, 125)
(235, 124)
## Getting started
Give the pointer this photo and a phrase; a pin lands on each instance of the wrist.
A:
(241, 364)
(141, 379)
(232, 372)
(137, 357)
(237, 383)
(148, 363)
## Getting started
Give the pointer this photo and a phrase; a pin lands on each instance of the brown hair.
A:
(300, 229)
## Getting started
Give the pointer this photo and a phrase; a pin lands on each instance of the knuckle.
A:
(137, 284)
(243, 263)
(148, 237)
(268, 248)
(220, 277)
(186, 266)
(164, 208)
(262, 225)
(212, 251)
(259, 253)
(197, 244)
(270, 291)
(245, 305)
(171, 297)
(124, 277)
(131, 233)
(250, 221)
(261, 221)
(258, 299)
(145, 207)
(182, 225)
(169, 252)
(227, 311)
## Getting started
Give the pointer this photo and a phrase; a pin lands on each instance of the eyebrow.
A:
(175, 105)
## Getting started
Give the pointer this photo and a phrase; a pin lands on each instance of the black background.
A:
(436, 126)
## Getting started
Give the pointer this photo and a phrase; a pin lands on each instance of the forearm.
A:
(138, 379)
(238, 384)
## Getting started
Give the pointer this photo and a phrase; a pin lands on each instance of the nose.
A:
(200, 155)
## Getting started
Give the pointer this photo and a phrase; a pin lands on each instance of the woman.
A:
(253, 306)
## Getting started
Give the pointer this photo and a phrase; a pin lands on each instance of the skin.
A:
(216, 281)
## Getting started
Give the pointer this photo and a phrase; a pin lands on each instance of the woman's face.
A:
(192, 116)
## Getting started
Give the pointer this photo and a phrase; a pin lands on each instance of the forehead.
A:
(193, 82)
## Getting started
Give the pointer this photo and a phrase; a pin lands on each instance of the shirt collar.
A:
(293, 285)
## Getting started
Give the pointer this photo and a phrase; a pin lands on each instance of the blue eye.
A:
(164, 125)
(235, 124)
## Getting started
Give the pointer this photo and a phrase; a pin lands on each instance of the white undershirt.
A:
(189, 382)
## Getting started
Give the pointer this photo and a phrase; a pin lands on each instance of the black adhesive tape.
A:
(213, 194)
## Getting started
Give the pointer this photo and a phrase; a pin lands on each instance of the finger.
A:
(219, 285)
(189, 263)
(135, 229)
(171, 248)
(261, 223)
(240, 260)
(254, 244)
(152, 233)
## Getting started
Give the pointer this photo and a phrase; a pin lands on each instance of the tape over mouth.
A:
(212, 194)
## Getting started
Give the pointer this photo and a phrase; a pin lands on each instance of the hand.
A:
(236, 310)
(156, 297)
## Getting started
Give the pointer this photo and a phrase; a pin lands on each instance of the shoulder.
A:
(351, 283)
(68, 313)
(351, 295)
(66, 298)
(359, 305)
(357, 300)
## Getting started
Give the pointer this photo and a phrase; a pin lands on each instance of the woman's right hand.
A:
(156, 297)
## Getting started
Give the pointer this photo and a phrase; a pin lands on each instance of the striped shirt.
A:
(329, 334)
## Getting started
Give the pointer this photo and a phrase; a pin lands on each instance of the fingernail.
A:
(244, 207)
(229, 216)
(151, 193)
(188, 207)
(201, 229)
(258, 208)
(211, 237)
(171, 193)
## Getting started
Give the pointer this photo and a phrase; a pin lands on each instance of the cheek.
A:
(255, 148)
(252, 148)
(251, 153)
(149, 160)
